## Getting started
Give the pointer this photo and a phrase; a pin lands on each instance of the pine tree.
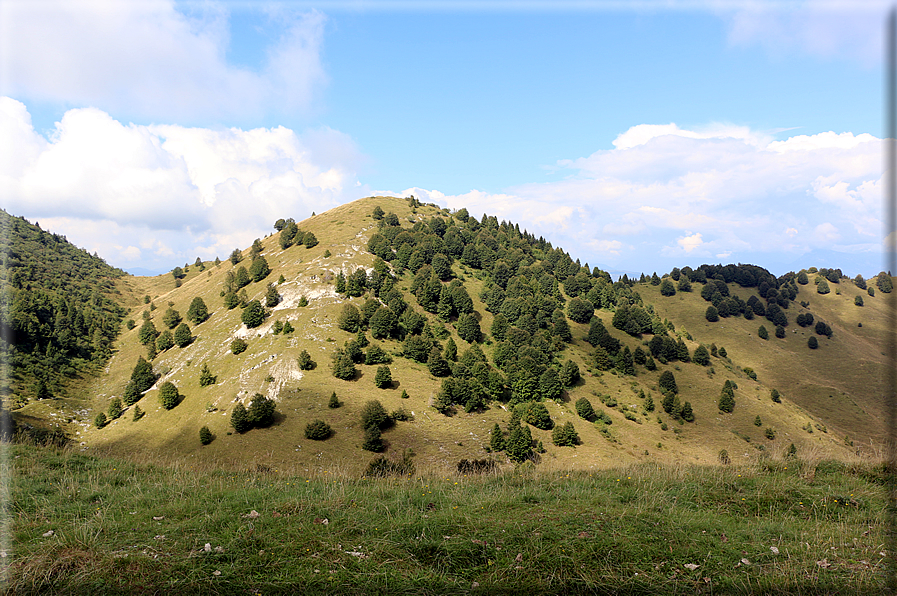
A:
(304, 361)
(373, 415)
(404, 394)
(762, 332)
(147, 333)
(138, 413)
(205, 435)
(206, 377)
(349, 319)
(100, 420)
(383, 378)
(182, 335)
(469, 328)
(701, 356)
(253, 315)
(238, 346)
(727, 399)
(272, 298)
(496, 439)
(519, 443)
(142, 375)
(165, 341)
(565, 435)
(667, 382)
(687, 413)
(168, 395)
(239, 418)
(550, 384)
(584, 409)
(451, 351)
(115, 409)
(198, 311)
(334, 402)
(261, 411)
(171, 318)
(649, 404)
(373, 440)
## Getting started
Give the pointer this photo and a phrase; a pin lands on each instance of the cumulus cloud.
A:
(721, 191)
(159, 194)
(150, 60)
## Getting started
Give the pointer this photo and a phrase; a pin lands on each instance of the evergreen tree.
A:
(727, 398)
(373, 440)
(198, 311)
(340, 283)
(310, 240)
(802, 278)
(343, 367)
(261, 411)
(550, 384)
(602, 359)
(242, 277)
(701, 356)
(383, 323)
(584, 409)
(115, 409)
(147, 333)
(569, 373)
(205, 435)
(884, 283)
(318, 430)
(822, 286)
(451, 350)
(437, 365)
(239, 418)
(496, 439)
(138, 413)
(373, 415)
(231, 300)
(253, 315)
(383, 378)
(142, 376)
(858, 300)
(712, 314)
(812, 343)
(164, 341)
(168, 395)
(206, 377)
(238, 346)
(667, 382)
(565, 435)
(171, 318)
(667, 288)
(537, 414)
(687, 413)
(649, 404)
(349, 319)
(763, 333)
(259, 269)
(780, 332)
(272, 298)
(468, 328)
(580, 310)
(334, 402)
(100, 420)
(361, 339)
(377, 355)
(183, 335)
(650, 364)
(776, 397)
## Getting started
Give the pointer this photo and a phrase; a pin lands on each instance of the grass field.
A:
(87, 525)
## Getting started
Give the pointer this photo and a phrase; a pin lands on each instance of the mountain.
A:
(421, 280)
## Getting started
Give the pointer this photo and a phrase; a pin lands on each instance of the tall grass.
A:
(775, 526)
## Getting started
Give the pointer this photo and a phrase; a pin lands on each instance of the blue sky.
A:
(637, 137)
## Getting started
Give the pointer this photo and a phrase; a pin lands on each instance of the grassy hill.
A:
(834, 390)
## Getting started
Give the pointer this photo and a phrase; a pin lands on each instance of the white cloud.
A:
(149, 59)
(150, 194)
(719, 191)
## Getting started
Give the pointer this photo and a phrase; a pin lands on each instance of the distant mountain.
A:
(143, 272)
(458, 327)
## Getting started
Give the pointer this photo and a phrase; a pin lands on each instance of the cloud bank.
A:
(157, 196)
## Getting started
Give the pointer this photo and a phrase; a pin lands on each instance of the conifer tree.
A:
(261, 411)
(383, 378)
(667, 382)
(206, 377)
(165, 341)
(727, 398)
(584, 409)
(334, 402)
(569, 373)
(142, 375)
(138, 413)
(147, 333)
(239, 418)
(100, 420)
(198, 311)
(469, 328)
(565, 435)
(205, 435)
(168, 395)
(253, 315)
(182, 335)
(115, 409)
(701, 356)
(763, 333)
(496, 439)
(687, 413)
(519, 443)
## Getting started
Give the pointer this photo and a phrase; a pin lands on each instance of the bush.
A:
(304, 361)
(770, 433)
(476, 466)
(381, 467)
(238, 346)
(776, 397)
(168, 395)
(205, 435)
(780, 332)
(318, 430)
(812, 343)
(763, 333)
(858, 300)
(711, 314)
(401, 415)
(537, 414)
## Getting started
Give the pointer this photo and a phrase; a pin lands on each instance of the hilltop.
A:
(529, 325)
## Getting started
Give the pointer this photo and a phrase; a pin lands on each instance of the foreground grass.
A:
(777, 527)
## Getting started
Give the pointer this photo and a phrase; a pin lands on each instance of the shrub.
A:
(304, 361)
(238, 346)
(317, 430)
(401, 415)
(584, 408)
(770, 433)
(758, 421)
(812, 343)
(750, 373)
(476, 466)
(711, 314)
(334, 402)
(858, 300)
(774, 394)
(763, 333)
(168, 395)
(724, 457)
(404, 394)
(205, 435)
(780, 332)
(381, 467)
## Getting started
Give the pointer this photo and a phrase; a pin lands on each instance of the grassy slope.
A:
(93, 525)
(437, 440)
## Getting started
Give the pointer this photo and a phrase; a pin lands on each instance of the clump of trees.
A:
(259, 414)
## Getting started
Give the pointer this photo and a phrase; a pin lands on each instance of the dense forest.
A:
(58, 313)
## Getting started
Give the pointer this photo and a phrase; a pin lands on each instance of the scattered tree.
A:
(565, 435)
(304, 361)
(584, 409)
(812, 343)
(168, 395)
(206, 377)
(238, 346)
(198, 311)
(239, 418)
(205, 435)
(253, 315)
(183, 336)
(334, 402)
(171, 318)
(318, 430)
(383, 378)
(261, 411)
(763, 333)
(667, 382)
